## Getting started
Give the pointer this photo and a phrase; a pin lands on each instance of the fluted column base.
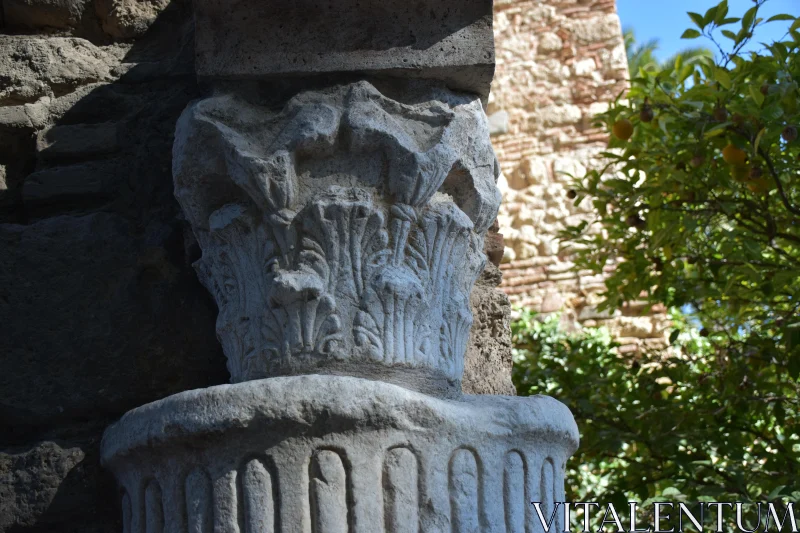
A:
(338, 454)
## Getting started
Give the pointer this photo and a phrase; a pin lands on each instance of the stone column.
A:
(339, 179)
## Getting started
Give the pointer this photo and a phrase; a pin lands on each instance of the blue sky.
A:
(666, 20)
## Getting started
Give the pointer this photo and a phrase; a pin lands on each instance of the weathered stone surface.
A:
(449, 40)
(14, 117)
(560, 115)
(77, 141)
(32, 67)
(605, 27)
(487, 366)
(60, 14)
(550, 42)
(552, 302)
(98, 320)
(125, 19)
(30, 480)
(82, 182)
(559, 65)
(494, 247)
(326, 453)
(16, 155)
(498, 123)
(56, 483)
(345, 231)
(93, 19)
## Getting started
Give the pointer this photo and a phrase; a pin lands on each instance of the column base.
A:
(338, 454)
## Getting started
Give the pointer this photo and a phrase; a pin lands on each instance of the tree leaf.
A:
(782, 16)
(685, 72)
(721, 13)
(749, 17)
(775, 492)
(716, 130)
(742, 35)
(708, 18)
(697, 18)
(755, 92)
(722, 76)
(794, 362)
(691, 33)
(758, 141)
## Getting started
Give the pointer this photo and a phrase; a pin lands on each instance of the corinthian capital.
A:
(342, 232)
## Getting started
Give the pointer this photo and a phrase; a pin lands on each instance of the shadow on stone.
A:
(102, 310)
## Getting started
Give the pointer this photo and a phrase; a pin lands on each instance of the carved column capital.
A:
(343, 232)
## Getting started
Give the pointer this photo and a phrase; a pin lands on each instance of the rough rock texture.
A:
(35, 66)
(97, 20)
(101, 308)
(29, 481)
(98, 319)
(448, 40)
(487, 368)
(345, 229)
(59, 14)
(58, 486)
(559, 62)
(124, 19)
(325, 453)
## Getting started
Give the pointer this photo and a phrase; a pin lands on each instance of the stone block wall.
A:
(559, 62)
(99, 305)
(101, 310)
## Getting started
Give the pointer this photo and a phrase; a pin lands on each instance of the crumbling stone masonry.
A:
(559, 62)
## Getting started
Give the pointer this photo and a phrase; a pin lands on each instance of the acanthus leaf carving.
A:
(333, 234)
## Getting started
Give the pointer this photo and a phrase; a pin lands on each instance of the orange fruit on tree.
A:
(740, 172)
(623, 129)
(760, 185)
(734, 156)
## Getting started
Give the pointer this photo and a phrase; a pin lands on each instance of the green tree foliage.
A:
(641, 56)
(679, 424)
(700, 200)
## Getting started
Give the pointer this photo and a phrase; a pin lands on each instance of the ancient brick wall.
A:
(559, 62)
